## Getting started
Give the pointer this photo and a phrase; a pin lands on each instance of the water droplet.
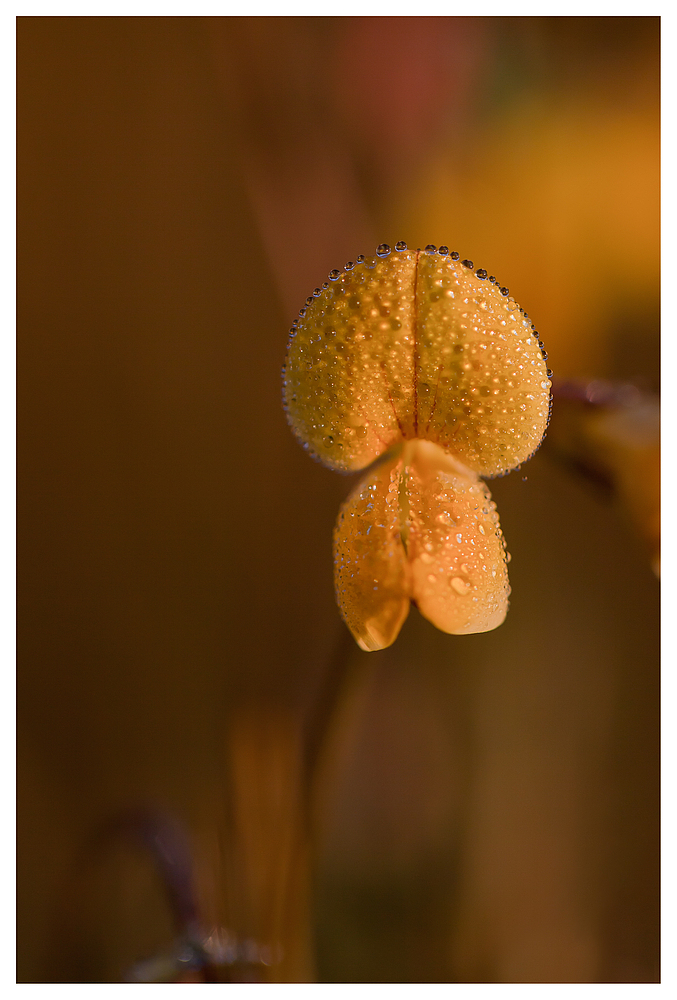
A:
(467, 263)
(460, 586)
(334, 275)
(444, 251)
(432, 578)
(350, 265)
(401, 245)
(505, 291)
(481, 273)
(454, 255)
(360, 258)
(431, 248)
(383, 250)
(309, 300)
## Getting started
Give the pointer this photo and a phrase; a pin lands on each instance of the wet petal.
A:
(349, 377)
(455, 546)
(416, 345)
(370, 571)
(483, 390)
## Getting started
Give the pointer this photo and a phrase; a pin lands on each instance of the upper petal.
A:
(416, 345)
(349, 378)
(482, 385)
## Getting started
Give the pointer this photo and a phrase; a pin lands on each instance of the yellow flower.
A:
(424, 369)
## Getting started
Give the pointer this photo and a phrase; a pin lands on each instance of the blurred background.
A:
(204, 755)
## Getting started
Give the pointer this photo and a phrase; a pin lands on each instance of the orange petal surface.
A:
(419, 526)
(482, 387)
(370, 569)
(455, 547)
(349, 374)
(416, 345)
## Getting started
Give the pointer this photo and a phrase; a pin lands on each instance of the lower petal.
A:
(370, 570)
(456, 551)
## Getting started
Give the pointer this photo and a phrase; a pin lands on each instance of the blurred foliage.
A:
(482, 808)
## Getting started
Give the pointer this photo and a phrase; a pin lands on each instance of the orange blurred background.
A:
(452, 809)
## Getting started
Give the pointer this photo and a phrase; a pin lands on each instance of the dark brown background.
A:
(483, 808)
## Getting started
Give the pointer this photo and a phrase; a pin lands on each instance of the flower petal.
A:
(370, 571)
(482, 386)
(416, 345)
(455, 546)
(349, 375)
